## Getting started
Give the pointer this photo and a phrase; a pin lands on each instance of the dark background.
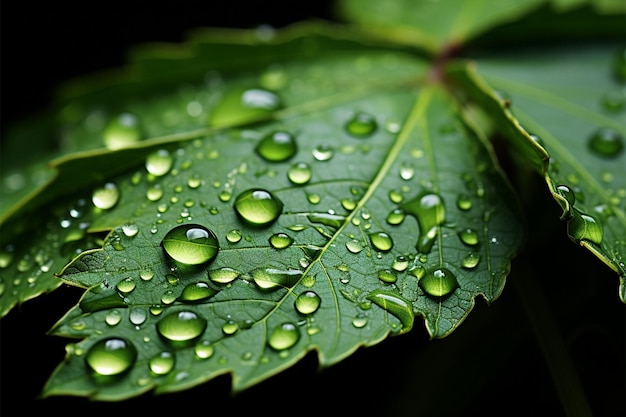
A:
(498, 366)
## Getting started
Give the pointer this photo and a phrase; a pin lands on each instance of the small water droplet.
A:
(387, 276)
(313, 198)
(130, 229)
(407, 171)
(308, 302)
(181, 326)
(299, 173)
(197, 292)
(162, 363)
(277, 146)
(348, 204)
(381, 241)
(438, 282)
(396, 305)
(400, 264)
(258, 207)
(204, 349)
(272, 278)
(582, 226)
(233, 236)
(361, 125)
(122, 131)
(244, 105)
(224, 275)
(429, 211)
(323, 152)
(396, 216)
(606, 142)
(354, 246)
(106, 197)
(159, 162)
(284, 336)
(111, 356)
(113, 318)
(469, 236)
(614, 101)
(230, 327)
(280, 240)
(137, 316)
(359, 321)
(464, 202)
(191, 244)
(126, 285)
(471, 260)
(154, 193)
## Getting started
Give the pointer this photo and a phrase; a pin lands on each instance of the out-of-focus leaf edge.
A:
(473, 87)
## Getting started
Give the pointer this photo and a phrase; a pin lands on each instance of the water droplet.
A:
(429, 211)
(126, 285)
(113, 318)
(162, 363)
(181, 326)
(331, 220)
(362, 125)
(204, 349)
(168, 297)
(359, 321)
(284, 336)
(400, 264)
(230, 327)
(348, 204)
(354, 246)
(387, 276)
(106, 197)
(395, 217)
(159, 162)
(381, 241)
(582, 226)
(395, 196)
(154, 193)
(299, 173)
(196, 292)
(111, 356)
(395, 305)
(280, 240)
(122, 131)
(194, 181)
(130, 229)
(407, 171)
(243, 106)
(464, 202)
(470, 260)
(308, 302)
(313, 198)
(619, 66)
(271, 278)
(277, 146)
(137, 316)
(323, 152)
(258, 207)
(224, 275)
(438, 282)
(191, 244)
(233, 236)
(469, 236)
(606, 142)
(614, 101)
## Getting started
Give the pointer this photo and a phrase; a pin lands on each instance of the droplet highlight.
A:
(111, 356)
(191, 244)
(277, 146)
(258, 207)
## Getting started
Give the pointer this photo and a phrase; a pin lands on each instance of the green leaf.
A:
(570, 105)
(395, 223)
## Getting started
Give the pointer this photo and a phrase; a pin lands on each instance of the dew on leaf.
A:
(400, 264)
(258, 207)
(204, 349)
(469, 236)
(313, 198)
(122, 131)
(283, 336)
(130, 229)
(381, 241)
(323, 152)
(308, 302)
(280, 240)
(224, 195)
(470, 260)
(106, 197)
(299, 173)
(614, 101)
(137, 316)
(407, 171)
(606, 142)
(387, 276)
(197, 292)
(464, 202)
(354, 246)
(233, 235)
(111, 356)
(181, 326)
(230, 327)
(126, 285)
(194, 181)
(272, 278)
(331, 220)
(113, 317)
(361, 125)
(191, 244)
(224, 275)
(348, 204)
(359, 321)
(438, 282)
(154, 193)
(277, 146)
(242, 106)
(162, 363)
(583, 227)
(395, 217)
(159, 162)
(429, 211)
(396, 305)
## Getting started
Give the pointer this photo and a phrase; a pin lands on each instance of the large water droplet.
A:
(582, 226)
(299, 173)
(396, 305)
(606, 142)
(280, 240)
(106, 197)
(396, 216)
(429, 211)
(111, 356)
(381, 241)
(308, 302)
(197, 292)
(284, 336)
(277, 146)
(244, 106)
(191, 244)
(223, 275)
(438, 282)
(258, 207)
(181, 326)
(162, 363)
(159, 162)
(122, 131)
(361, 125)
(387, 276)
(272, 278)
